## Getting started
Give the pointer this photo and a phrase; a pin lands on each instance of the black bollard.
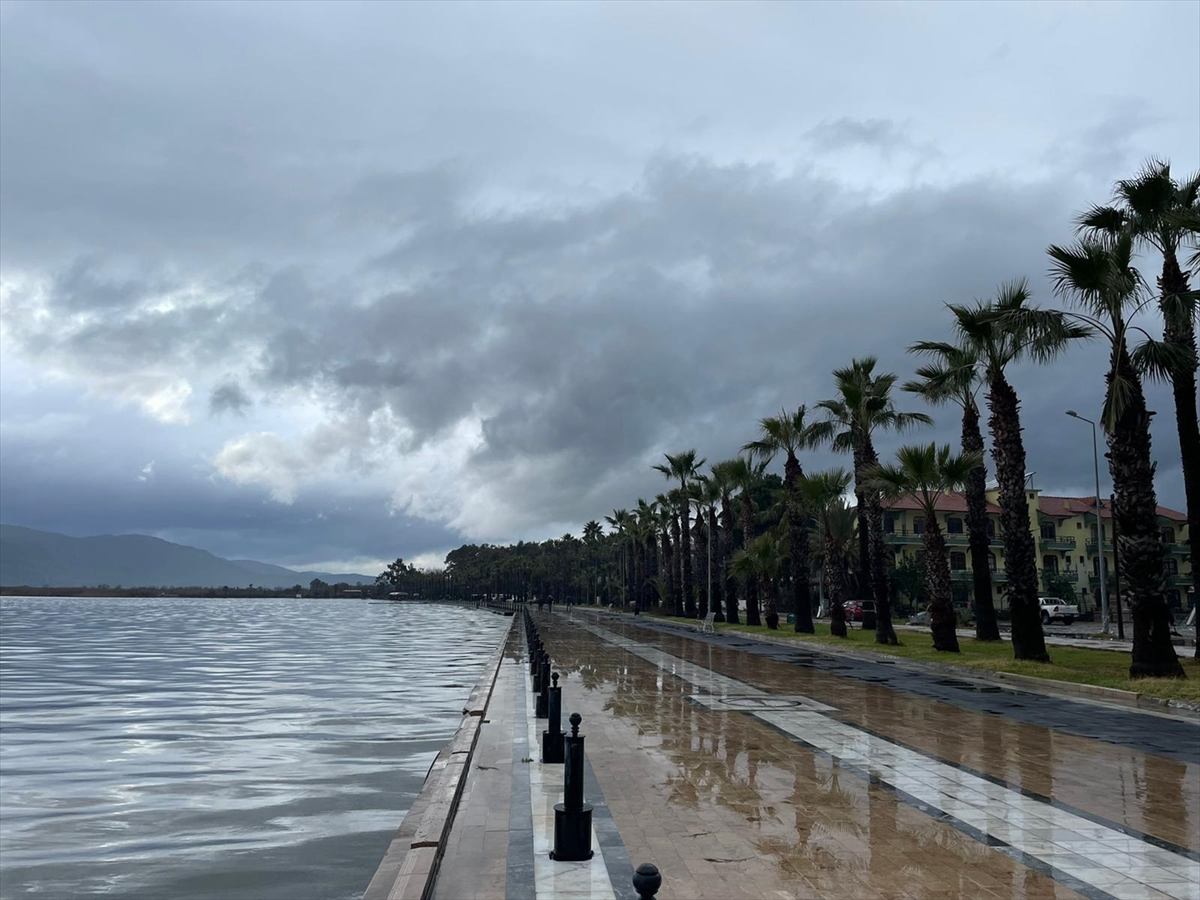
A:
(534, 646)
(542, 708)
(573, 817)
(552, 737)
(647, 880)
(538, 656)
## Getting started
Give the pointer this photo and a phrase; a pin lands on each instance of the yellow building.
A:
(1064, 533)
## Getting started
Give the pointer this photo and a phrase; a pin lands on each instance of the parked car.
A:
(855, 609)
(920, 618)
(1053, 608)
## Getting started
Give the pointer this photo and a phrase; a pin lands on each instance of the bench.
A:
(706, 627)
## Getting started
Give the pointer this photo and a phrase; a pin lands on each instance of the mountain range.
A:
(46, 559)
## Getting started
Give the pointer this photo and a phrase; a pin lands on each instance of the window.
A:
(918, 525)
(1078, 526)
(991, 530)
(1168, 535)
(1048, 533)
(991, 561)
(889, 524)
(1082, 560)
(1172, 566)
(954, 526)
(1050, 563)
(958, 561)
(1096, 565)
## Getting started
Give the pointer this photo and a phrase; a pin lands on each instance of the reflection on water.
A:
(235, 748)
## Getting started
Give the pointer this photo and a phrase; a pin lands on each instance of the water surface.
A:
(220, 748)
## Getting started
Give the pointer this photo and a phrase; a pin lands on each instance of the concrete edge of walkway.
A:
(1175, 709)
(410, 864)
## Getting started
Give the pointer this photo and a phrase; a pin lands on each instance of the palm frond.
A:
(1159, 360)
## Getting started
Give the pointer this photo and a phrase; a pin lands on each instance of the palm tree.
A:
(745, 474)
(666, 518)
(621, 521)
(761, 562)
(1157, 211)
(707, 499)
(684, 467)
(723, 477)
(955, 377)
(995, 334)
(647, 534)
(925, 473)
(863, 406)
(824, 497)
(790, 433)
(1108, 290)
(592, 532)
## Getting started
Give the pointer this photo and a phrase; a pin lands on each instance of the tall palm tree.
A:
(745, 474)
(1159, 212)
(955, 376)
(620, 521)
(647, 532)
(708, 498)
(824, 498)
(684, 467)
(723, 476)
(863, 406)
(592, 533)
(1108, 291)
(790, 433)
(995, 333)
(925, 473)
(666, 574)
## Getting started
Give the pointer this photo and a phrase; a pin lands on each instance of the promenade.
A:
(746, 769)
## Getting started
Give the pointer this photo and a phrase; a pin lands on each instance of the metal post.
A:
(1099, 523)
(573, 817)
(552, 738)
(542, 705)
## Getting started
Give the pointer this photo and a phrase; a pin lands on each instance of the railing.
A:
(908, 536)
(1058, 543)
(1175, 547)
(998, 575)
(1091, 546)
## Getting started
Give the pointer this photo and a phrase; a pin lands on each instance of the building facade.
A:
(1064, 534)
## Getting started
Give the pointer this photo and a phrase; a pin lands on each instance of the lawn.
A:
(1106, 668)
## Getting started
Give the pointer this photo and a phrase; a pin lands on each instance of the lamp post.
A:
(1100, 563)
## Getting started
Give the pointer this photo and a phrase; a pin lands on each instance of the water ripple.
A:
(246, 749)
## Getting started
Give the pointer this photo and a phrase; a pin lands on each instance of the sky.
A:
(325, 284)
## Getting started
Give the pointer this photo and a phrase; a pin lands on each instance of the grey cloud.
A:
(229, 397)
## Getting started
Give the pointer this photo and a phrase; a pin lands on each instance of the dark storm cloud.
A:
(228, 397)
(415, 259)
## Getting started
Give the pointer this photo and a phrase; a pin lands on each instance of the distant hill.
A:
(37, 558)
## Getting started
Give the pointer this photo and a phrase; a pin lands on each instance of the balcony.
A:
(1091, 546)
(1066, 544)
(1174, 548)
(1179, 580)
(999, 576)
(908, 536)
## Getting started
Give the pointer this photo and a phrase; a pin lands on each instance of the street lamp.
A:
(1100, 562)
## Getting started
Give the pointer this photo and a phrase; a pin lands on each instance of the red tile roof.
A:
(1065, 507)
(1055, 507)
(949, 503)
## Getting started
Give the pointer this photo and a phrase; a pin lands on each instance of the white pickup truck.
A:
(1053, 608)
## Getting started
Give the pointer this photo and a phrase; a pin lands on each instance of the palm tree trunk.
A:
(749, 584)
(798, 548)
(1020, 557)
(1142, 571)
(716, 602)
(1179, 330)
(942, 620)
(664, 563)
(679, 553)
(986, 628)
(770, 601)
(835, 582)
(884, 632)
(685, 557)
(729, 588)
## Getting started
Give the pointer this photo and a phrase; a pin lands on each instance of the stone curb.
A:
(1176, 709)
(410, 864)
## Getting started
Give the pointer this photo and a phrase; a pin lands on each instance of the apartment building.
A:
(1064, 533)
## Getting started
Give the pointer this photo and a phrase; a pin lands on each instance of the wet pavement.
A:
(744, 769)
